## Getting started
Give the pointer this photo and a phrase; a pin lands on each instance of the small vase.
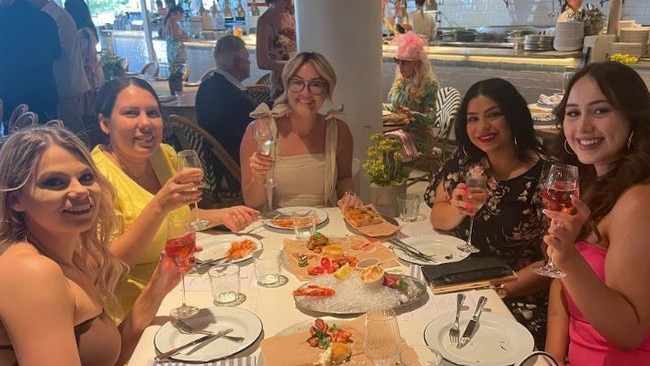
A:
(175, 83)
(385, 199)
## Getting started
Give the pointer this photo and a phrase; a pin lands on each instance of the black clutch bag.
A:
(487, 270)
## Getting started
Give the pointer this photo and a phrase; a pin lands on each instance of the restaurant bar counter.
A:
(276, 308)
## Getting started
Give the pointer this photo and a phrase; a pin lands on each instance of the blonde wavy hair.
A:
(320, 63)
(423, 75)
(18, 158)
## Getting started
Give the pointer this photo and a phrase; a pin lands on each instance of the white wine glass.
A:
(265, 142)
(382, 342)
(561, 183)
(478, 195)
(180, 247)
(190, 159)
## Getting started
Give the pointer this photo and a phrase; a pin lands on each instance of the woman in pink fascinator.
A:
(414, 89)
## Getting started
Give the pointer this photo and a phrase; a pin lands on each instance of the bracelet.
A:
(349, 193)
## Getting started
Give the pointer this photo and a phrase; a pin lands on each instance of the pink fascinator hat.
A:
(410, 47)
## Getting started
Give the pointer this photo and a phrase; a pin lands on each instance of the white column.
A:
(348, 33)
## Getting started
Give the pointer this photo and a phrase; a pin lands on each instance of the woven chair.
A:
(261, 93)
(264, 80)
(54, 123)
(221, 173)
(207, 74)
(447, 105)
(27, 119)
(150, 69)
(19, 110)
(186, 72)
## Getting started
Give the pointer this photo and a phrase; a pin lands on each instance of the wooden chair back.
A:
(221, 173)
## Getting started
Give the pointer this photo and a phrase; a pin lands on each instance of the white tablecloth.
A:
(276, 308)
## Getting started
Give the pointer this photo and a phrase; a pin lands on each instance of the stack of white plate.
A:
(627, 48)
(636, 35)
(568, 36)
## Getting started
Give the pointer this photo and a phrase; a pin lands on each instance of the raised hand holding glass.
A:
(561, 184)
(476, 185)
(190, 159)
(265, 142)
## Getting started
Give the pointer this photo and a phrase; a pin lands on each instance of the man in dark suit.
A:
(223, 104)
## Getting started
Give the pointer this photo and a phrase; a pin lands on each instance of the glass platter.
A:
(352, 298)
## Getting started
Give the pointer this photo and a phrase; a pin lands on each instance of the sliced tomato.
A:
(321, 325)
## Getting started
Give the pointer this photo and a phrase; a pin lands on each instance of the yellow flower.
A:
(384, 164)
(625, 59)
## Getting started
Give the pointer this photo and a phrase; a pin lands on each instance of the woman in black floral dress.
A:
(494, 130)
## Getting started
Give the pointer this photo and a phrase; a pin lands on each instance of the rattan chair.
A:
(150, 69)
(207, 74)
(186, 72)
(261, 93)
(25, 120)
(447, 105)
(264, 80)
(19, 110)
(221, 173)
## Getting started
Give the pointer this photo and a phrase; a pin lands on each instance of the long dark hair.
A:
(78, 10)
(626, 91)
(109, 92)
(171, 11)
(515, 110)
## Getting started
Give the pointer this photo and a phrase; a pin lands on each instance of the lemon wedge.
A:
(343, 272)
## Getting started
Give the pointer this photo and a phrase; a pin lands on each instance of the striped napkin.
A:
(415, 271)
(244, 361)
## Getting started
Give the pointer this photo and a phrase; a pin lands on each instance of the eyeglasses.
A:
(399, 62)
(314, 87)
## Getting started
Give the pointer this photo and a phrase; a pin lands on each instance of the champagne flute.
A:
(190, 159)
(382, 342)
(561, 183)
(180, 246)
(265, 142)
(476, 184)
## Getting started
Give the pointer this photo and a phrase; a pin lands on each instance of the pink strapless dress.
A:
(587, 346)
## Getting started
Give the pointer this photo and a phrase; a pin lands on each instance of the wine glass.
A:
(382, 342)
(476, 185)
(190, 159)
(265, 141)
(561, 183)
(180, 246)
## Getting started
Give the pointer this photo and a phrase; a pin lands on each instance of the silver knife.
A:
(471, 326)
(174, 351)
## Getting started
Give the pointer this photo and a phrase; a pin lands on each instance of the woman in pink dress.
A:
(599, 314)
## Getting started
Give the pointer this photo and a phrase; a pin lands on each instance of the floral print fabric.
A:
(509, 226)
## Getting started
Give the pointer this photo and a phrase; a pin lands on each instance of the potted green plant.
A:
(386, 173)
(112, 66)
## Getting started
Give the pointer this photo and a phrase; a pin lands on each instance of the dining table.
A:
(278, 311)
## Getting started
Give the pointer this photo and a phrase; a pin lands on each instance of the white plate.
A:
(498, 341)
(286, 211)
(216, 246)
(166, 98)
(243, 322)
(443, 247)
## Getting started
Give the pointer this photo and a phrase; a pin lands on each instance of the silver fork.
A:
(188, 329)
(454, 331)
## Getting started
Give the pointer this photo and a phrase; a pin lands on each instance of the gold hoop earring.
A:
(568, 149)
